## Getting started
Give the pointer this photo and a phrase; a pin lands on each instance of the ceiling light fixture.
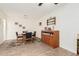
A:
(40, 4)
(55, 3)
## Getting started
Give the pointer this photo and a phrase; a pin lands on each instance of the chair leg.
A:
(32, 39)
(17, 40)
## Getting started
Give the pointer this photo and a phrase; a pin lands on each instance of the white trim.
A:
(69, 50)
(4, 30)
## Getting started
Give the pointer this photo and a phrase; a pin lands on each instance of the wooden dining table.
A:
(24, 40)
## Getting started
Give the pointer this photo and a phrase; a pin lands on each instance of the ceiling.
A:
(29, 9)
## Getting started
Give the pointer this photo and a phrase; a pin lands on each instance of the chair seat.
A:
(19, 36)
(28, 38)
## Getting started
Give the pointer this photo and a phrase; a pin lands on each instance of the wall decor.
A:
(49, 28)
(16, 23)
(51, 21)
(20, 25)
(45, 28)
(23, 27)
(40, 23)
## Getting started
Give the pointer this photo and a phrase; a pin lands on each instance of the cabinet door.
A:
(57, 38)
(54, 40)
(47, 38)
(43, 38)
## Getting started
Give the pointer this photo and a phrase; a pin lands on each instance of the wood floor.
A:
(36, 48)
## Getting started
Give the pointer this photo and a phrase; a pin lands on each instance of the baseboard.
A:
(68, 50)
(11, 39)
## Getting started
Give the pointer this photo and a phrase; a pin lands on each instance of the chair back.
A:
(29, 35)
(34, 34)
(16, 33)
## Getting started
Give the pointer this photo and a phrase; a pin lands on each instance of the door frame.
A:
(4, 30)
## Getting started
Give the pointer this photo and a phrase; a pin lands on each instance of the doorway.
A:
(2, 30)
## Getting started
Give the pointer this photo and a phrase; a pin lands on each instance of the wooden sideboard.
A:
(51, 38)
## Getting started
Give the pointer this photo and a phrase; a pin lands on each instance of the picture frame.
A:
(20, 25)
(23, 27)
(51, 21)
(16, 23)
(40, 23)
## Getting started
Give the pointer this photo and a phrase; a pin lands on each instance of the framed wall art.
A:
(51, 21)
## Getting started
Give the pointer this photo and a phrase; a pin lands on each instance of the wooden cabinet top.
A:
(50, 31)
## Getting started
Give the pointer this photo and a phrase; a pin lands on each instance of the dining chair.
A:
(29, 36)
(34, 35)
(19, 38)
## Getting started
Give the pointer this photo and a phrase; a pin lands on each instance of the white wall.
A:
(1, 31)
(18, 17)
(2, 26)
(9, 17)
(67, 23)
